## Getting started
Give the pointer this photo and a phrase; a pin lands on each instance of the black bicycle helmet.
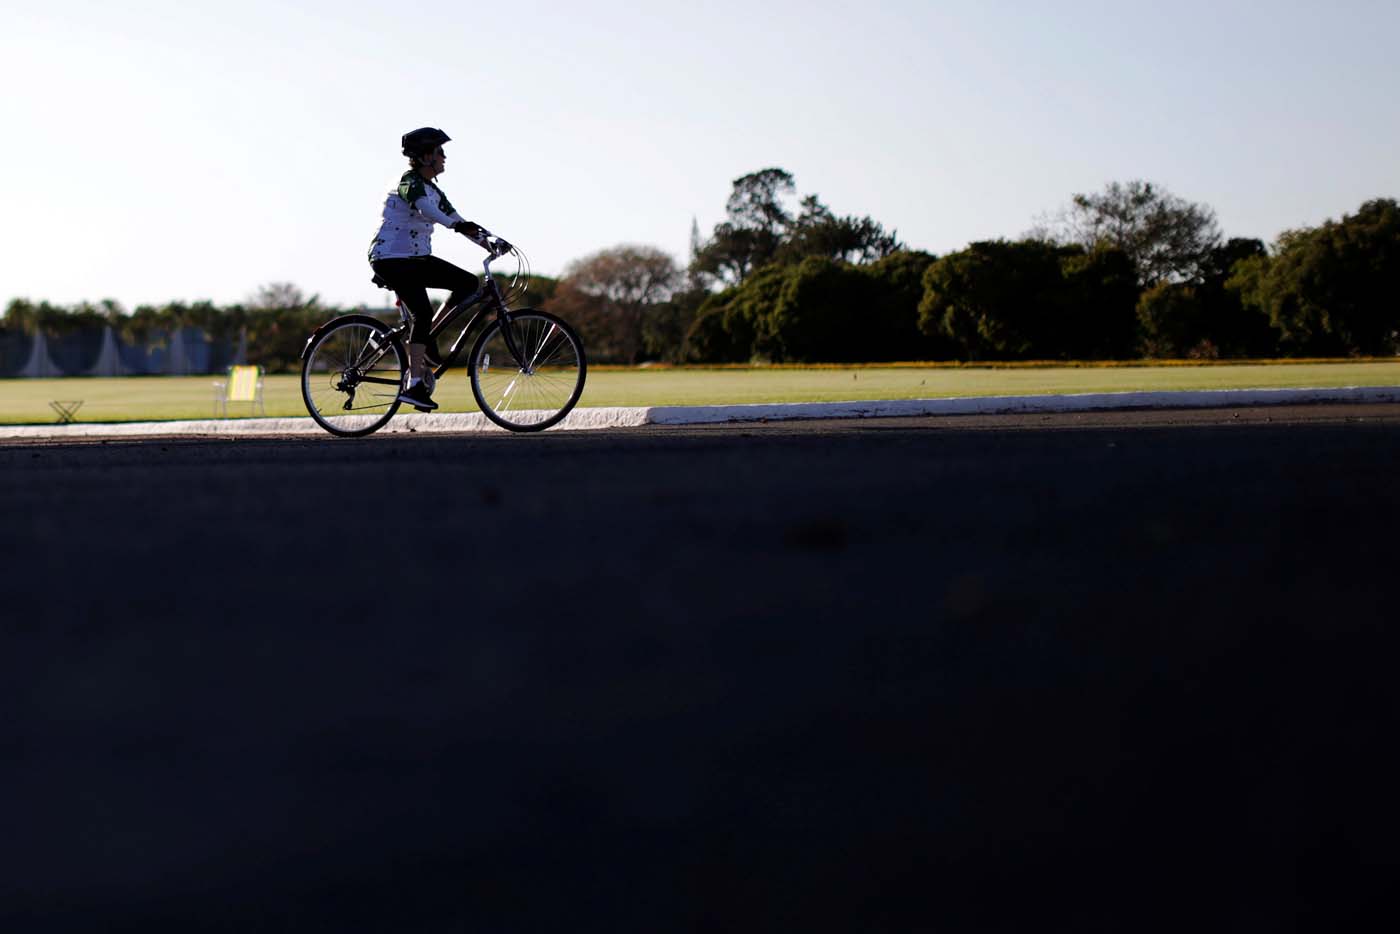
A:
(416, 142)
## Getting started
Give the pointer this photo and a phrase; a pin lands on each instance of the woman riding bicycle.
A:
(401, 253)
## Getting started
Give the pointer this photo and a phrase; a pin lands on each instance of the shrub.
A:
(1331, 290)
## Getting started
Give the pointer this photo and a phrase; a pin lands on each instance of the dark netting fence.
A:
(102, 352)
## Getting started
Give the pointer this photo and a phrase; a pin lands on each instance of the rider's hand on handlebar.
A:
(470, 230)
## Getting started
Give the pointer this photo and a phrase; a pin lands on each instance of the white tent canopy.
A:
(39, 363)
(109, 358)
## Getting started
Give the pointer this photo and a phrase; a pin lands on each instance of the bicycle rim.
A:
(539, 393)
(351, 378)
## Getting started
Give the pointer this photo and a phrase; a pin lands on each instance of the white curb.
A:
(1001, 405)
(583, 419)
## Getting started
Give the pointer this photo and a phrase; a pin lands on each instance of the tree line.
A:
(1129, 272)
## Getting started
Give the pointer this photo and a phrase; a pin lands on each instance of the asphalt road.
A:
(1094, 672)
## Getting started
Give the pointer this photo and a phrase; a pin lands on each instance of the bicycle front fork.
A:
(507, 324)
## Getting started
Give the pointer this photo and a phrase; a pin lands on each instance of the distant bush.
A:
(818, 314)
(1171, 318)
(1032, 300)
(732, 326)
(1331, 290)
(819, 310)
(1204, 319)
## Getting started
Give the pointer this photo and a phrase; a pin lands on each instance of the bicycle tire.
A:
(541, 393)
(351, 375)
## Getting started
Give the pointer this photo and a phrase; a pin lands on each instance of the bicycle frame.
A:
(487, 297)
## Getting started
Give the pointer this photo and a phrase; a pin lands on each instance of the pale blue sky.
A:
(181, 149)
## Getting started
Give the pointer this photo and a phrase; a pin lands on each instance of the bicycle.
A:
(526, 367)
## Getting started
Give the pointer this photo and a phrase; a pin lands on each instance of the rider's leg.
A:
(405, 277)
(417, 362)
(440, 274)
(418, 351)
(411, 279)
(408, 278)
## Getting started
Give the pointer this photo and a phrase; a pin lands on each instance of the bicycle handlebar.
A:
(492, 256)
(495, 248)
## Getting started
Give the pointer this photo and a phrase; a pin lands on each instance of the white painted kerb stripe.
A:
(997, 405)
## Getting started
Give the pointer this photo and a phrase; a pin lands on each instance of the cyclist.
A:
(401, 253)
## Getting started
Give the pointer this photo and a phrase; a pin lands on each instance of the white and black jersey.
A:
(410, 211)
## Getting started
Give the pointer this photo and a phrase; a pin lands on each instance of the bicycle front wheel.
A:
(352, 374)
(542, 386)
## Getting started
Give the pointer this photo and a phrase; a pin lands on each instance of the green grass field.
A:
(26, 401)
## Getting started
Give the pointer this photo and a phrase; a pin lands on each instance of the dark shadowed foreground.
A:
(1121, 673)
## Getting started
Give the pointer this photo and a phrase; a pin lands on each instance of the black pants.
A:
(411, 278)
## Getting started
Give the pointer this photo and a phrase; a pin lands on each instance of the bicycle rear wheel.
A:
(540, 389)
(351, 376)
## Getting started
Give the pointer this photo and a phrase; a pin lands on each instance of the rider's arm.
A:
(428, 200)
(474, 232)
(428, 207)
